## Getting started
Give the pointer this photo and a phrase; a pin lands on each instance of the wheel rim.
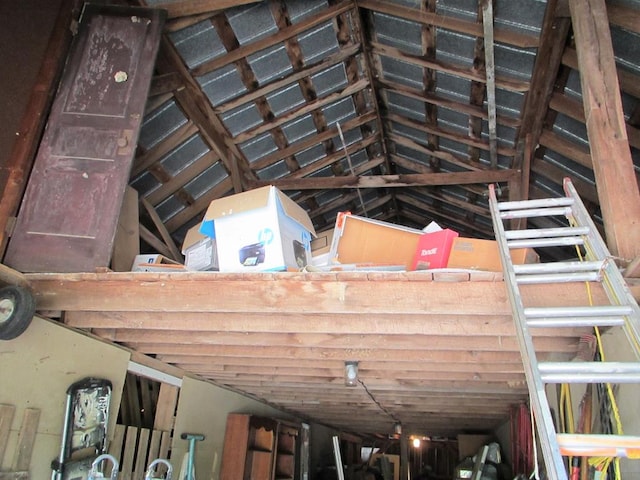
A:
(7, 308)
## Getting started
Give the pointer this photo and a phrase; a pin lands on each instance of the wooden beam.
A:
(612, 163)
(449, 23)
(555, 30)
(244, 51)
(395, 181)
(286, 293)
(164, 233)
(186, 8)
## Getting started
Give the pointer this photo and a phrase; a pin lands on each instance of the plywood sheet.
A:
(36, 369)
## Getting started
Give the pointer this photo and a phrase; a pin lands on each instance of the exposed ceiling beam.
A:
(186, 8)
(449, 23)
(402, 180)
(612, 163)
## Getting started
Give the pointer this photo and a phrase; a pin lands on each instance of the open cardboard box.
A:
(360, 240)
(479, 254)
(259, 230)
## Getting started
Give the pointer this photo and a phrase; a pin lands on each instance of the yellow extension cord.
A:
(603, 462)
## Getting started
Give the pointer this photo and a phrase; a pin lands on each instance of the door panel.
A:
(69, 214)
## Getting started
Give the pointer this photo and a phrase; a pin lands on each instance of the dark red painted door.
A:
(69, 214)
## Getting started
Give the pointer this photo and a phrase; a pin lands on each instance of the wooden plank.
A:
(164, 233)
(142, 450)
(154, 445)
(186, 8)
(165, 444)
(116, 445)
(26, 439)
(6, 420)
(126, 244)
(290, 342)
(616, 180)
(166, 407)
(288, 293)
(9, 276)
(396, 181)
(127, 462)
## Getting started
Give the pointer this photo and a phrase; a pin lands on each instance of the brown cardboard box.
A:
(360, 240)
(477, 254)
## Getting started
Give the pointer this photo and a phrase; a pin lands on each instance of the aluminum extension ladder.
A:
(622, 312)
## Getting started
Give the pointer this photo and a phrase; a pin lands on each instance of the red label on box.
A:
(433, 250)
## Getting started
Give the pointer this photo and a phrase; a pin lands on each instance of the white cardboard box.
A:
(259, 230)
(199, 251)
(155, 263)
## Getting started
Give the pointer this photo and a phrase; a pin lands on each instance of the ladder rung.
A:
(546, 232)
(589, 372)
(537, 203)
(558, 267)
(598, 445)
(545, 242)
(576, 322)
(558, 278)
(583, 311)
(535, 212)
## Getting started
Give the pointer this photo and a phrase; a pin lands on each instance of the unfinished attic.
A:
(134, 127)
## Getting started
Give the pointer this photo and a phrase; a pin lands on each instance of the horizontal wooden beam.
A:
(288, 293)
(395, 181)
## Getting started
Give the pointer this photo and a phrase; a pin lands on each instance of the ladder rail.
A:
(617, 290)
(597, 266)
(537, 393)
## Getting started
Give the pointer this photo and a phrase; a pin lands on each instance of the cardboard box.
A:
(359, 240)
(259, 230)
(199, 251)
(156, 263)
(433, 250)
(477, 254)
(320, 248)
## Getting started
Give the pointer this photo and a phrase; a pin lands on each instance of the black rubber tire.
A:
(17, 307)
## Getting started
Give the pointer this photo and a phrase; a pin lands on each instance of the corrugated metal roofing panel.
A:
(318, 42)
(398, 33)
(299, 128)
(251, 23)
(222, 84)
(184, 155)
(339, 111)
(270, 64)
(285, 99)
(258, 147)
(298, 10)
(160, 123)
(198, 43)
(241, 119)
(329, 80)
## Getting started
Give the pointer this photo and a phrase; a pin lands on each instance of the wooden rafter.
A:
(612, 163)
